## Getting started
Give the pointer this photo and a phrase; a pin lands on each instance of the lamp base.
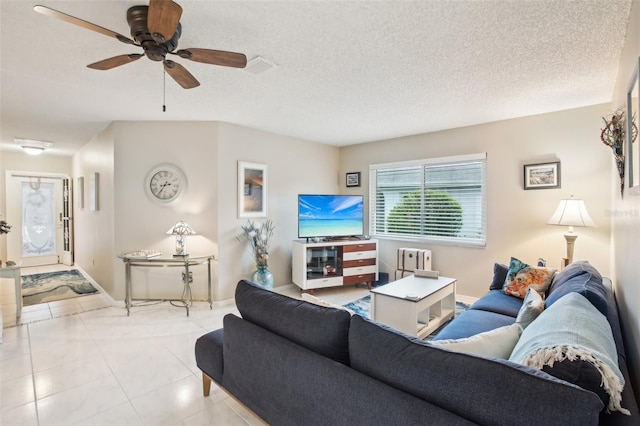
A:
(571, 238)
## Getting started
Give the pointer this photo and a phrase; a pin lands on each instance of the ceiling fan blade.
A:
(116, 61)
(214, 57)
(180, 74)
(163, 19)
(81, 23)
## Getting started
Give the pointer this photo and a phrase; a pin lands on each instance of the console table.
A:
(14, 272)
(167, 261)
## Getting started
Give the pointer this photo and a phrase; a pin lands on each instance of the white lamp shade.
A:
(181, 228)
(571, 213)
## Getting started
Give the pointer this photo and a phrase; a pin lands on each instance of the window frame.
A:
(424, 164)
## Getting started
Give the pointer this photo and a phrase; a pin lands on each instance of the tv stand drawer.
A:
(355, 279)
(358, 262)
(360, 247)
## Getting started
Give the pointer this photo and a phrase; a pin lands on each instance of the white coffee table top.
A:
(412, 287)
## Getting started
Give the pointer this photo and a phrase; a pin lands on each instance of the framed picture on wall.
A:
(252, 189)
(80, 193)
(633, 124)
(542, 175)
(352, 179)
(93, 191)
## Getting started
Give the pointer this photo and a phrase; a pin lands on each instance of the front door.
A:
(38, 209)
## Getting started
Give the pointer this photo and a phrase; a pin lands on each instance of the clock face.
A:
(165, 183)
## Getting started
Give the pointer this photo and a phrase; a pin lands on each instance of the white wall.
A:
(625, 222)
(516, 218)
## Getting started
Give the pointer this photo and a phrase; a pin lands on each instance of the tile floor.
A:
(84, 362)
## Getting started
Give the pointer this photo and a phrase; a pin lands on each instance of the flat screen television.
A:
(330, 216)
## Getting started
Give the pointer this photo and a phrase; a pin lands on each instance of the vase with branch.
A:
(259, 237)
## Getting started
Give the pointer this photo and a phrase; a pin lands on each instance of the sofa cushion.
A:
(288, 385)
(473, 387)
(521, 276)
(496, 343)
(498, 302)
(573, 329)
(581, 278)
(532, 307)
(472, 322)
(499, 275)
(320, 329)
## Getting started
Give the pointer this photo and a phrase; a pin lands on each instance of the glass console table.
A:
(186, 300)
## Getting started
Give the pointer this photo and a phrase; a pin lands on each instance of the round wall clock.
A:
(165, 183)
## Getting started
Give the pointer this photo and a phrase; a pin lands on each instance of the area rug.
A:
(362, 306)
(52, 286)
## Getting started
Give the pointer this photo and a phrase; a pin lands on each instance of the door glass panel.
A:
(38, 219)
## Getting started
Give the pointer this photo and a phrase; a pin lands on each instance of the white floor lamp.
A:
(571, 212)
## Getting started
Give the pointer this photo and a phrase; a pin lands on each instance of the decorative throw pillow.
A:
(496, 343)
(522, 276)
(499, 275)
(532, 306)
(321, 302)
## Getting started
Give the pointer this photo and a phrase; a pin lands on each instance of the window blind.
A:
(441, 199)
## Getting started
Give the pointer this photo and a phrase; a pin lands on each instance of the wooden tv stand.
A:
(334, 263)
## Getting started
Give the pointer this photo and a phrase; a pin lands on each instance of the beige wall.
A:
(517, 218)
(294, 166)
(625, 220)
(208, 154)
(18, 161)
(94, 231)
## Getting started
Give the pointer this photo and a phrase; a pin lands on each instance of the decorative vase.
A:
(263, 277)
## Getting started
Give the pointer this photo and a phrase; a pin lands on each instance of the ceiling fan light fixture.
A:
(31, 146)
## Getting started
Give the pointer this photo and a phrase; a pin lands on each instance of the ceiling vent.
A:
(258, 65)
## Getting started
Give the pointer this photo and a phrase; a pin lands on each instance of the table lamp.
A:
(571, 212)
(181, 229)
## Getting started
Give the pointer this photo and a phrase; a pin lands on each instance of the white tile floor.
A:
(86, 362)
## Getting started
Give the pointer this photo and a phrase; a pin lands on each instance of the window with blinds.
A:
(441, 199)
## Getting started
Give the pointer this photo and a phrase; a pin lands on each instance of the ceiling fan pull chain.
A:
(164, 90)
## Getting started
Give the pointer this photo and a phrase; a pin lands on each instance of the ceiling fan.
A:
(156, 28)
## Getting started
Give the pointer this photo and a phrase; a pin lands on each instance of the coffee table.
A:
(414, 305)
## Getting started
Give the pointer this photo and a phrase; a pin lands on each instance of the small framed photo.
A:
(252, 189)
(542, 175)
(352, 179)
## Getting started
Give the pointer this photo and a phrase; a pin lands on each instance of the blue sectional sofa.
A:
(293, 363)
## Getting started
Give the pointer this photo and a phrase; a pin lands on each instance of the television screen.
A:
(330, 215)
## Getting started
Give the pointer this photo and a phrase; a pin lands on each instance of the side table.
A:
(166, 261)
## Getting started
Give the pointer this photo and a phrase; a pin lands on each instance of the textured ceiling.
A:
(347, 71)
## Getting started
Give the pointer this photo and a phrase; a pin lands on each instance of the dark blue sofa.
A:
(496, 309)
(294, 363)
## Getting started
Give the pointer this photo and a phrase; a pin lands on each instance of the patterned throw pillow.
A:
(522, 276)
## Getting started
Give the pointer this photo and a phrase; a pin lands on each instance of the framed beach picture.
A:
(252, 189)
(542, 175)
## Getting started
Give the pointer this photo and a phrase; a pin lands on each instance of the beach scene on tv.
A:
(330, 215)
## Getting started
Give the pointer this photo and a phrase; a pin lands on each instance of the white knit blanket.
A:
(572, 328)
